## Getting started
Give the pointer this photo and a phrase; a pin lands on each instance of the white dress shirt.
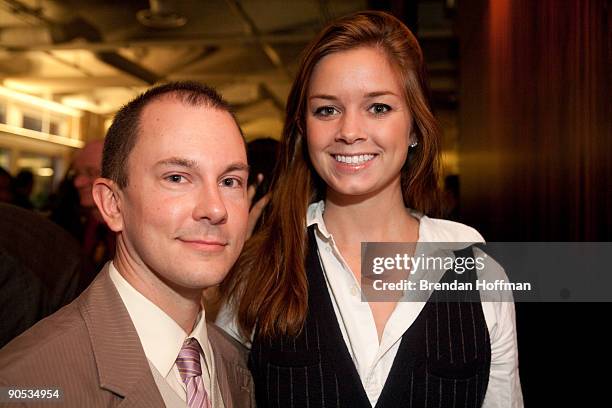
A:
(373, 359)
(162, 338)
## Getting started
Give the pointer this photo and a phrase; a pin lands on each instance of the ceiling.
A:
(97, 55)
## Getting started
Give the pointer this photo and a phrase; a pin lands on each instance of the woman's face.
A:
(358, 123)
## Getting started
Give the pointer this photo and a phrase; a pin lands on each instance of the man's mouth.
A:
(209, 245)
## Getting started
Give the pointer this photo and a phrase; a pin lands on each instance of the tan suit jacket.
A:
(91, 351)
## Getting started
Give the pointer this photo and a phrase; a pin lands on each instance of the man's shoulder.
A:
(225, 344)
(57, 343)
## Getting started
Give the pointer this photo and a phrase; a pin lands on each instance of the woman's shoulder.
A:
(441, 230)
(226, 320)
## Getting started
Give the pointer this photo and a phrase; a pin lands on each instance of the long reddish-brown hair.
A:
(268, 287)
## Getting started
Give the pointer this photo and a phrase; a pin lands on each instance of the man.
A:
(97, 240)
(76, 211)
(173, 188)
(40, 266)
(23, 184)
(6, 186)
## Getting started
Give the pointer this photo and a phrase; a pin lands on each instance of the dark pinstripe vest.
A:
(443, 358)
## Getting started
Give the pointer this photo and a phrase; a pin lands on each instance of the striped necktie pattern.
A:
(190, 369)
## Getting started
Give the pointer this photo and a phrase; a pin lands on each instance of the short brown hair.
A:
(123, 133)
(268, 284)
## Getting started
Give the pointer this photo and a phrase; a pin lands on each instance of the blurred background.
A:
(521, 89)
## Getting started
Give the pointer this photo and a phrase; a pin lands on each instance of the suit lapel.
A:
(122, 366)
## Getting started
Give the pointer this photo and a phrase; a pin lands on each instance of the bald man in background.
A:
(85, 169)
(77, 213)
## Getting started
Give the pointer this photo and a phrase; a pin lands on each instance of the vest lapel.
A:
(333, 346)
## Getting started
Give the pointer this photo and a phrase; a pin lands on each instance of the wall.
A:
(535, 119)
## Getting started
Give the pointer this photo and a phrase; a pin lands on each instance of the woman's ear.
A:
(412, 140)
(107, 196)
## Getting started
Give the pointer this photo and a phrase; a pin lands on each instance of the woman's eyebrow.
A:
(323, 96)
(379, 93)
(372, 94)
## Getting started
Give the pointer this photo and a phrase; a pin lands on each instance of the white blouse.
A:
(373, 359)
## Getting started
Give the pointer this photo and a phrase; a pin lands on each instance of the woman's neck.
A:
(379, 218)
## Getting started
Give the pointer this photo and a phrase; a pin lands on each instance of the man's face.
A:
(86, 168)
(184, 211)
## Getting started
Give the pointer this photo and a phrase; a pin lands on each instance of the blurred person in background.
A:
(40, 269)
(263, 156)
(76, 211)
(22, 189)
(85, 169)
(6, 186)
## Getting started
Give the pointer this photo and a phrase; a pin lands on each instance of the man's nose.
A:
(209, 205)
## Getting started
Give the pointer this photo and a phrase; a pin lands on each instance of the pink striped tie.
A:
(188, 363)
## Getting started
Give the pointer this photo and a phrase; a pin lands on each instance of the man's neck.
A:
(183, 306)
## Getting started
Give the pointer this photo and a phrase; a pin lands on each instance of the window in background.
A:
(5, 159)
(59, 125)
(54, 127)
(32, 121)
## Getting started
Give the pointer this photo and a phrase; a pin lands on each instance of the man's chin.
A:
(212, 278)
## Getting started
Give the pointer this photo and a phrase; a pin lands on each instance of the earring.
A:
(415, 141)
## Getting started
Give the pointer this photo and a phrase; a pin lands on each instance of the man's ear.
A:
(107, 196)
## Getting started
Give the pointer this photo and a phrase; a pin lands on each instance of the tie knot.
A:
(188, 360)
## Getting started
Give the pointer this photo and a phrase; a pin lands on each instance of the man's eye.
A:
(175, 178)
(231, 182)
(326, 111)
(379, 108)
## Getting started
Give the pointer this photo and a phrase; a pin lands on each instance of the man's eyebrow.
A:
(178, 161)
(237, 166)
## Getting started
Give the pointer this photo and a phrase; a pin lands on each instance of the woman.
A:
(359, 163)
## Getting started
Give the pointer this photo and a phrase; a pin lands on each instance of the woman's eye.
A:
(379, 108)
(326, 111)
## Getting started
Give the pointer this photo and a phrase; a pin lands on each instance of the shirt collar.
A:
(161, 337)
(315, 212)
(314, 216)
